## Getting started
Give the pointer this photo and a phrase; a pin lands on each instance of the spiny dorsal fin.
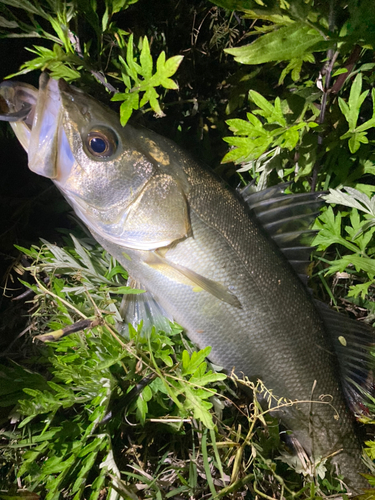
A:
(287, 219)
(352, 341)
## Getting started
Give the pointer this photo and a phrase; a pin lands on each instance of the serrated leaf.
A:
(329, 226)
(360, 263)
(208, 378)
(247, 148)
(151, 96)
(284, 44)
(131, 66)
(272, 114)
(353, 198)
(242, 127)
(360, 290)
(355, 101)
(131, 103)
(199, 407)
(190, 364)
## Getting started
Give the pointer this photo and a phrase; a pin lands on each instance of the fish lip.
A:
(44, 139)
(17, 101)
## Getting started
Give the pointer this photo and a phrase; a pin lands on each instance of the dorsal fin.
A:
(353, 342)
(287, 218)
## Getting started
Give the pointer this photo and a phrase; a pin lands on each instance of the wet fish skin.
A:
(169, 221)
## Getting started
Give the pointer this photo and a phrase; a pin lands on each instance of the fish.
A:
(229, 267)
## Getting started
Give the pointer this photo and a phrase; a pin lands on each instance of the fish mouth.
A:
(36, 117)
(17, 101)
(17, 106)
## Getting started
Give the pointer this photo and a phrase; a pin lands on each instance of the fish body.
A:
(202, 254)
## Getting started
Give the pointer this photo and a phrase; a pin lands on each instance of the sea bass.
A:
(205, 257)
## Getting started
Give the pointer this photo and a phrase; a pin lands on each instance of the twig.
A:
(63, 332)
(68, 304)
(350, 63)
(326, 71)
(235, 486)
(97, 74)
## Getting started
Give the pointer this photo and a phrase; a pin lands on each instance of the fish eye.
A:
(101, 143)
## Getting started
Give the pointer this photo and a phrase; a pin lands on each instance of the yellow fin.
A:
(213, 287)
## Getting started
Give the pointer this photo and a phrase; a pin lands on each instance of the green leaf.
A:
(131, 103)
(360, 263)
(57, 464)
(344, 109)
(352, 198)
(146, 60)
(190, 364)
(356, 140)
(25, 5)
(95, 445)
(362, 289)
(147, 393)
(132, 67)
(251, 128)
(340, 71)
(142, 409)
(283, 44)
(355, 101)
(329, 226)
(208, 378)
(272, 114)
(144, 80)
(199, 407)
(170, 66)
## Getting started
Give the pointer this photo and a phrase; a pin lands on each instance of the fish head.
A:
(117, 180)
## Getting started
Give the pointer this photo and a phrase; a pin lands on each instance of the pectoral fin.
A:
(216, 289)
(143, 307)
